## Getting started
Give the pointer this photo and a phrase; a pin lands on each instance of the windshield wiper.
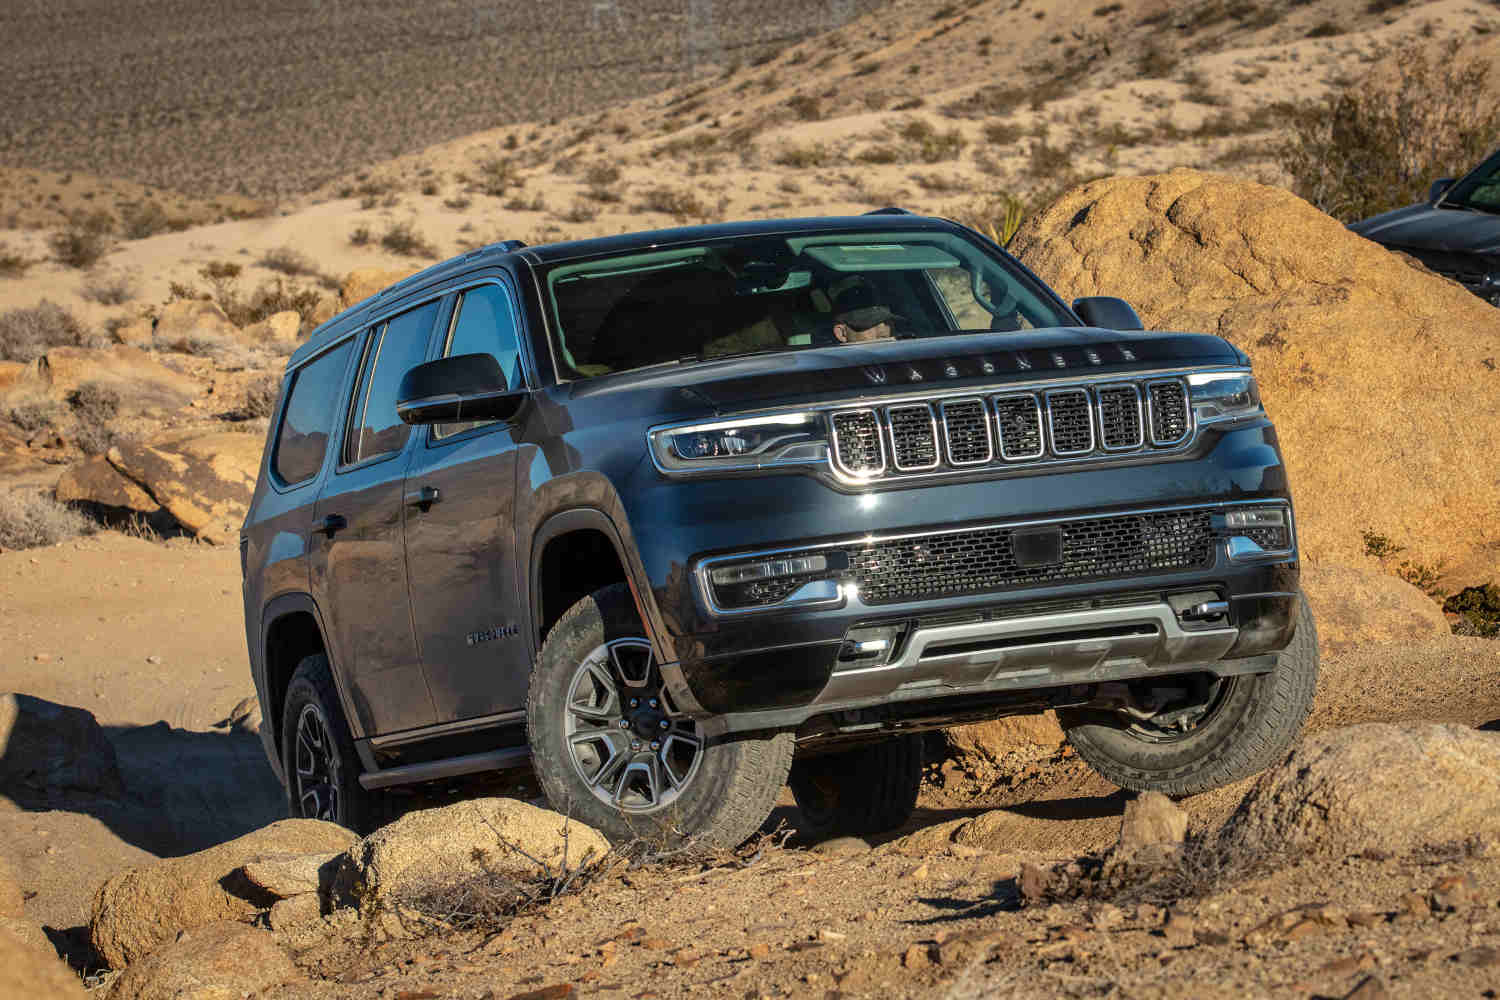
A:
(688, 359)
(1465, 206)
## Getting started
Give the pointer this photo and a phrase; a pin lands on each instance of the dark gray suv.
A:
(678, 518)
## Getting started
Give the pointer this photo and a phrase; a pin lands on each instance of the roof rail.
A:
(891, 210)
(507, 245)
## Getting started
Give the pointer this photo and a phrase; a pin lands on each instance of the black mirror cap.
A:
(452, 390)
(1107, 313)
(1439, 188)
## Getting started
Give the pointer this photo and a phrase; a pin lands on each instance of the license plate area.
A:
(1037, 546)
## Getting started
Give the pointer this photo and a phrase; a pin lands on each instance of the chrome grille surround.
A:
(914, 437)
(858, 446)
(1070, 422)
(1121, 424)
(966, 432)
(1019, 417)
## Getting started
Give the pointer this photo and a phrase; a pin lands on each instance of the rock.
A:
(12, 372)
(187, 320)
(12, 899)
(47, 749)
(1181, 930)
(295, 911)
(1152, 828)
(205, 482)
(1378, 786)
(94, 480)
(141, 334)
(32, 972)
(324, 311)
(139, 909)
(1365, 359)
(436, 846)
(841, 846)
(244, 717)
(1369, 988)
(281, 332)
(918, 956)
(993, 741)
(219, 961)
(361, 283)
(1353, 605)
(288, 875)
(146, 387)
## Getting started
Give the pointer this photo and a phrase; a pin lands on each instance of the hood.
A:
(1425, 227)
(870, 370)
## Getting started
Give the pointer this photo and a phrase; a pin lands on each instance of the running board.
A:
(452, 767)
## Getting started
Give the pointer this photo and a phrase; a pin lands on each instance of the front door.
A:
(466, 593)
(359, 563)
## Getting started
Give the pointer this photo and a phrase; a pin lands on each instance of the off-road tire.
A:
(728, 798)
(870, 789)
(358, 809)
(1257, 721)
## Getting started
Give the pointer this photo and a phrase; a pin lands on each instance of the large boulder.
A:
(204, 482)
(146, 387)
(12, 372)
(1381, 376)
(432, 847)
(279, 333)
(363, 282)
(219, 961)
(1373, 787)
(48, 749)
(94, 480)
(137, 910)
(1353, 605)
(187, 321)
(32, 972)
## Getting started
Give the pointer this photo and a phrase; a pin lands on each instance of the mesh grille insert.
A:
(1169, 415)
(1020, 427)
(913, 437)
(966, 426)
(1120, 416)
(857, 442)
(1068, 417)
(982, 561)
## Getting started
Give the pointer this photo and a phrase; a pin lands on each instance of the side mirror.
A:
(1107, 312)
(456, 389)
(1439, 188)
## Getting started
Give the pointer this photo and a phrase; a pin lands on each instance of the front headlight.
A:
(1219, 396)
(751, 443)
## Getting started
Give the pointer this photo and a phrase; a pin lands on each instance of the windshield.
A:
(1479, 189)
(788, 292)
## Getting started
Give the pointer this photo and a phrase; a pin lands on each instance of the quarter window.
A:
(396, 347)
(308, 416)
(483, 323)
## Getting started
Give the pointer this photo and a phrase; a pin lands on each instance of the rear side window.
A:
(483, 323)
(308, 417)
(395, 348)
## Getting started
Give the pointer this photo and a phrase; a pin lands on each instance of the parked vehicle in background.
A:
(679, 518)
(1456, 232)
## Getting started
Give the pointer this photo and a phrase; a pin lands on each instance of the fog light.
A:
(782, 581)
(1256, 532)
(1256, 517)
(769, 569)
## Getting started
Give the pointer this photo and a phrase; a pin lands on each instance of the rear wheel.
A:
(866, 790)
(1224, 730)
(612, 749)
(317, 754)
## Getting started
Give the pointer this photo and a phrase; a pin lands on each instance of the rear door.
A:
(358, 562)
(466, 600)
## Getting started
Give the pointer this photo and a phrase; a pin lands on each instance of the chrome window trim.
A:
(890, 429)
(850, 595)
(1189, 424)
(833, 444)
(1088, 408)
(1140, 416)
(984, 419)
(1041, 426)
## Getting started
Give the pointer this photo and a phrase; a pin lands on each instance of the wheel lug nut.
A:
(635, 744)
(635, 703)
(655, 745)
(665, 724)
(652, 703)
(624, 723)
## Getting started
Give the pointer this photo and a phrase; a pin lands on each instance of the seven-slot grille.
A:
(1071, 422)
(981, 561)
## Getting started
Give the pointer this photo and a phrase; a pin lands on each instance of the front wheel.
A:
(1232, 728)
(611, 749)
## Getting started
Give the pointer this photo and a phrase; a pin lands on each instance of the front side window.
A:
(759, 294)
(483, 323)
(395, 347)
(1479, 190)
(308, 418)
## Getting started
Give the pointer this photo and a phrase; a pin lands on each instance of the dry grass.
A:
(25, 334)
(30, 520)
(403, 238)
(681, 205)
(12, 264)
(85, 241)
(109, 288)
(95, 407)
(261, 396)
(289, 262)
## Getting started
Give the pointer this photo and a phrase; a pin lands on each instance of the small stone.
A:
(1181, 930)
(655, 944)
(1106, 917)
(1365, 918)
(918, 956)
(920, 873)
(1416, 905)
(1148, 915)
(842, 846)
(827, 935)
(759, 950)
(1479, 958)
(1453, 892)
(1032, 882)
(1369, 988)
(153, 659)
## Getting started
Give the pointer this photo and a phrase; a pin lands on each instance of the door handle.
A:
(331, 524)
(424, 497)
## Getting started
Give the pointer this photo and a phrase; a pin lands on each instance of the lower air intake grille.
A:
(966, 427)
(1120, 416)
(913, 437)
(1270, 538)
(856, 439)
(1071, 425)
(1020, 427)
(972, 562)
(1169, 414)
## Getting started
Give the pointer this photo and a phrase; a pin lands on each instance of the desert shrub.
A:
(12, 264)
(681, 205)
(288, 262)
(458, 203)
(520, 203)
(261, 396)
(930, 145)
(109, 288)
(601, 174)
(361, 236)
(581, 211)
(403, 238)
(997, 216)
(803, 157)
(1373, 147)
(1002, 133)
(1156, 61)
(277, 296)
(95, 407)
(85, 240)
(494, 176)
(25, 334)
(805, 107)
(1423, 576)
(32, 414)
(143, 219)
(1380, 546)
(1324, 29)
(1478, 610)
(880, 153)
(993, 100)
(30, 520)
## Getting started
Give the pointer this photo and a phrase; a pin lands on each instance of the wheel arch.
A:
(292, 630)
(587, 534)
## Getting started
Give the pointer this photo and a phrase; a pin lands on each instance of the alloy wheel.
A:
(315, 766)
